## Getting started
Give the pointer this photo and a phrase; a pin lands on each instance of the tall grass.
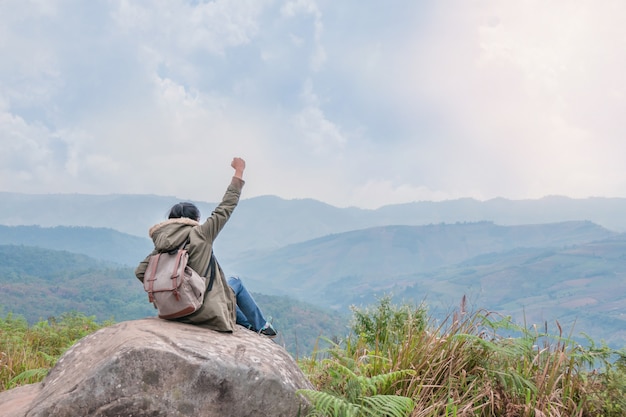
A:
(28, 352)
(474, 364)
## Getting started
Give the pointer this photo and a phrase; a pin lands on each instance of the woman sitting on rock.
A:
(228, 302)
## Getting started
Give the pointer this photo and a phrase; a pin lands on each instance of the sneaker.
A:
(268, 330)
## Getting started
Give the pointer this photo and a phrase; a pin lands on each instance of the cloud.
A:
(322, 135)
(35, 158)
(349, 103)
(521, 85)
(309, 7)
(180, 27)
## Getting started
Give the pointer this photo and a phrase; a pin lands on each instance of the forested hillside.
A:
(573, 273)
(41, 283)
(581, 286)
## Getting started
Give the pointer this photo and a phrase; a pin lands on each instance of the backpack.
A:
(174, 288)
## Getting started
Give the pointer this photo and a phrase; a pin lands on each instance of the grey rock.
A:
(15, 402)
(152, 367)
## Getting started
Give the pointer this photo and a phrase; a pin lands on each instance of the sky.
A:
(348, 102)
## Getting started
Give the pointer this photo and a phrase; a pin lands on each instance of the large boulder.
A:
(152, 367)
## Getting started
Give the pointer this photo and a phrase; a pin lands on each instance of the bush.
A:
(472, 364)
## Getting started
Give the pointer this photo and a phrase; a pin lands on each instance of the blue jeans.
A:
(249, 314)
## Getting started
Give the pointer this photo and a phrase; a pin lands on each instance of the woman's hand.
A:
(239, 165)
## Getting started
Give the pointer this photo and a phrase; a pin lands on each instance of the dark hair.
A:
(188, 210)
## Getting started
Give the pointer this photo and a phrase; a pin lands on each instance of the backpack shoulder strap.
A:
(182, 246)
(212, 266)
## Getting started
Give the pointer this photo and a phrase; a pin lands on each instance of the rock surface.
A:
(152, 367)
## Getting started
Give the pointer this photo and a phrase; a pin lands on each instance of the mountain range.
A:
(269, 222)
(540, 261)
(377, 257)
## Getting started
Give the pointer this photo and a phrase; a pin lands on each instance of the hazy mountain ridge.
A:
(378, 256)
(99, 243)
(269, 222)
(327, 270)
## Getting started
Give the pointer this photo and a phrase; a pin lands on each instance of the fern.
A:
(330, 405)
(387, 406)
(361, 396)
(383, 382)
(28, 376)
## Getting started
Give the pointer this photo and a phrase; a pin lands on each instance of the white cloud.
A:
(19, 139)
(322, 135)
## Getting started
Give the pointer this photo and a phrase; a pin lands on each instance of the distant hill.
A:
(100, 243)
(572, 272)
(270, 222)
(38, 283)
(581, 286)
(125, 213)
(326, 270)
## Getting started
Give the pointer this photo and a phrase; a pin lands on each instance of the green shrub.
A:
(28, 352)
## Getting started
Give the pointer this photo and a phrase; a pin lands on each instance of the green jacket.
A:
(218, 311)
